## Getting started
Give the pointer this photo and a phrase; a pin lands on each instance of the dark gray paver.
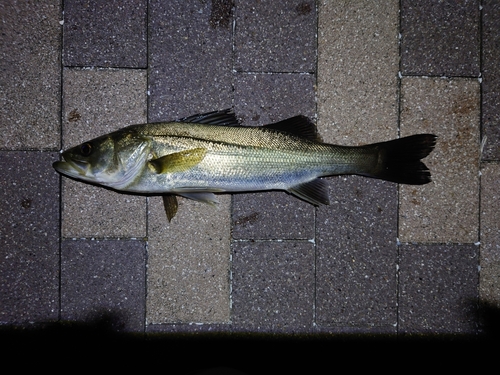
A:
(271, 215)
(29, 240)
(262, 99)
(105, 33)
(30, 78)
(104, 278)
(273, 285)
(438, 288)
(190, 60)
(440, 38)
(357, 254)
(491, 79)
(275, 36)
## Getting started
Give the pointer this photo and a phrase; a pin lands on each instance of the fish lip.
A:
(72, 167)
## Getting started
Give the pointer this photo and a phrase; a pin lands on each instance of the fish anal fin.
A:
(224, 117)
(205, 197)
(300, 126)
(171, 205)
(314, 192)
(178, 161)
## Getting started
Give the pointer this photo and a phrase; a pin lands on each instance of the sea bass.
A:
(209, 153)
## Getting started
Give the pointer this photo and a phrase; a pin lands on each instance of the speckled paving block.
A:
(188, 263)
(447, 209)
(190, 60)
(97, 102)
(438, 288)
(104, 279)
(275, 36)
(31, 75)
(29, 241)
(490, 234)
(440, 38)
(273, 286)
(358, 64)
(105, 33)
(261, 99)
(357, 254)
(491, 79)
(272, 215)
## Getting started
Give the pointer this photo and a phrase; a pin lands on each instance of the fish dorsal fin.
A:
(314, 192)
(300, 126)
(225, 117)
(178, 161)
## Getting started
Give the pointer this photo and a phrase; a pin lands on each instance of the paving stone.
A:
(447, 209)
(105, 33)
(358, 63)
(438, 288)
(104, 279)
(31, 75)
(357, 254)
(275, 36)
(190, 60)
(97, 102)
(491, 79)
(440, 38)
(271, 215)
(490, 234)
(188, 263)
(261, 99)
(273, 286)
(29, 250)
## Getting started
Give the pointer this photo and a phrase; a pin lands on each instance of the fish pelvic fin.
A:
(314, 192)
(171, 205)
(399, 160)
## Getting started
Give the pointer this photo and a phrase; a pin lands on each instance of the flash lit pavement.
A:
(382, 259)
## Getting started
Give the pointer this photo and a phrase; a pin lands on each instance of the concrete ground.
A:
(381, 259)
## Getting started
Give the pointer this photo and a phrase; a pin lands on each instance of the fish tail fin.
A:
(399, 160)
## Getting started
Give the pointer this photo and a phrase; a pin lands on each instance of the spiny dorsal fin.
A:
(225, 117)
(178, 161)
(314, 192)
(300, 126)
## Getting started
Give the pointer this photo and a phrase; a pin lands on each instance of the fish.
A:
(199, 156)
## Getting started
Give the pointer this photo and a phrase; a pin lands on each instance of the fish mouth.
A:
(71, 167)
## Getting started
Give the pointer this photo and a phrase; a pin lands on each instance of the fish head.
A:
(112, 160)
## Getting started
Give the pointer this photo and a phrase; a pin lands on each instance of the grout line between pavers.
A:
(146, 254)
(398, 188)
(61, 113)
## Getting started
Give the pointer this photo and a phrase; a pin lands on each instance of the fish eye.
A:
(86, 149)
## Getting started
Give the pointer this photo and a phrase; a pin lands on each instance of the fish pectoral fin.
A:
(170, 204)
(178, 161)
(314, 192)
(205, 197)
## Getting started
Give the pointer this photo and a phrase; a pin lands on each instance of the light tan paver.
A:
(489, 282)
(358, 60)
(188, 263)
(96, 102)
(445, 210)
